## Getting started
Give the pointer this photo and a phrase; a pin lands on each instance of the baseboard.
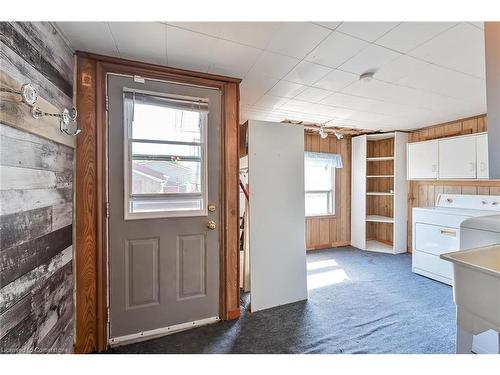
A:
(330, 245)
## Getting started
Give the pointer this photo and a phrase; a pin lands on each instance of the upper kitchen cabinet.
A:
(454, 158)
(423, 160)
(482, 156)
(457, 158)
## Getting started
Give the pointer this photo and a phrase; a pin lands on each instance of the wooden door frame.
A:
(91, 271)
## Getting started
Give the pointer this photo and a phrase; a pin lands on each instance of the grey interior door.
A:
(164, 164)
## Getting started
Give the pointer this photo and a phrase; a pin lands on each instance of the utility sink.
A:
(476, 292)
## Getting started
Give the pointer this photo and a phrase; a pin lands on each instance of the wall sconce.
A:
(29, 96)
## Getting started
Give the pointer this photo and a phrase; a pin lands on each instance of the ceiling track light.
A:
(322, 133)
(339, 135)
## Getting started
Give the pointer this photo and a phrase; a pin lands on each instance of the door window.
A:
(165, 152)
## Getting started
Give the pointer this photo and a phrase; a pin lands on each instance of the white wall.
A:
(277, 226)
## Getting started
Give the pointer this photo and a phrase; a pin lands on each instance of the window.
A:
(165, 146)
(320, 182)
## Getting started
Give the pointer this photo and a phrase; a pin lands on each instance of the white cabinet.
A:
(482, 156)
(457, 157)
(423, 160)
(462, 157)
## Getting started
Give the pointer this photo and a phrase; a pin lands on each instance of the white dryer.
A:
(479, 232)
(436, 230)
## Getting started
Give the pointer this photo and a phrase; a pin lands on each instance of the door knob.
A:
(211, 225)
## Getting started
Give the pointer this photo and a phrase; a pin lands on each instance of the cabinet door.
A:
(457, 157)
(422, 160)
(482, 156)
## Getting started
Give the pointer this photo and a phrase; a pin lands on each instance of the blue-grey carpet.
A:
(362, 302)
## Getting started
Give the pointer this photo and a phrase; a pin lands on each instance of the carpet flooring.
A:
(359, 302)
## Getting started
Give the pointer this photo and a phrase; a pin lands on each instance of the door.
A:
(164, 164)
(482, 156)
(457, 157)
(422, 160)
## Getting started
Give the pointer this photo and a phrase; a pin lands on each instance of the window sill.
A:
(321, 216)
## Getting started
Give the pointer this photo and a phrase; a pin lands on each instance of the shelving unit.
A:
(379, 192)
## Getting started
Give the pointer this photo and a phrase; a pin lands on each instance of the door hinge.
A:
(107, 102)
(107, 209)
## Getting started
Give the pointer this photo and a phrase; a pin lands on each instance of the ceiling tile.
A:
(189, 50)
(307, 73)
(369, 31)
(253, 87)
(232, 59)
(370, 59)
(336, 80)
(328, 25)
(401, 67)
(286, 89)
(408, 35)
(478, 24)
(460, 48)
(297, 39)
(313, 94)
(273, 65)
(336, 49)
(270, 102)
(90, 36)
(297, 105)
(255, 34)
(447, 82)
(144, 41)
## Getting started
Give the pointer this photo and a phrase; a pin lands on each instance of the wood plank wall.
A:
(423, 193)
(36, 195)
(332, 231)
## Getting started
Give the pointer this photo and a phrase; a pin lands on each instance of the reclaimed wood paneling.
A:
(332, 231)
(423, 193)
(36, 195)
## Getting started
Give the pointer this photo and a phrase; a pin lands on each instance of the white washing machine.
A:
(478, 232)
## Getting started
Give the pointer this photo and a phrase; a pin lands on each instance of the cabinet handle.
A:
(448, 232)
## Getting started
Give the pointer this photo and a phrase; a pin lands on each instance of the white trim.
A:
(159, 332)
(127, 172)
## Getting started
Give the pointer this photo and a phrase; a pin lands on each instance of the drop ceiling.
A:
(425, 72)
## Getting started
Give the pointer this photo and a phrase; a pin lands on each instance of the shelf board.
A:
(378, 193)
(379, 219)
(381, 176)
(382, 158)
(380, 247)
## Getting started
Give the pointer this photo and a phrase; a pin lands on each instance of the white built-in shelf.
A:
(381, 176)
(379, 219)
(382, 158)
(378, 193)
(373, 245)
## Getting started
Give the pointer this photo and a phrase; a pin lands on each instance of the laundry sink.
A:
(476, 292)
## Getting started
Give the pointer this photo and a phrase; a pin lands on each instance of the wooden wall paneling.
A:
(92, 193)
(331, 231)
(36, 166)
(424, 193)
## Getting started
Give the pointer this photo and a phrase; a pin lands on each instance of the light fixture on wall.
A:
(339, 135)
(366, 76)
(29, 96)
